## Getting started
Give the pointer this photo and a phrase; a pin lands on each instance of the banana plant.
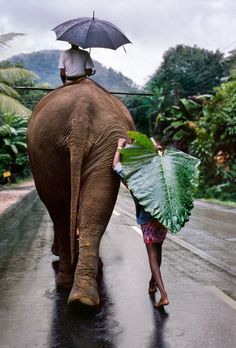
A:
(162, 181)
(13, 133)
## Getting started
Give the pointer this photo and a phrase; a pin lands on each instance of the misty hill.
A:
(45, 65)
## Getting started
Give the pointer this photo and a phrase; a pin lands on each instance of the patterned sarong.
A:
(153, 232)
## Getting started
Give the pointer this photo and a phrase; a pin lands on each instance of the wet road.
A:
(201, 290)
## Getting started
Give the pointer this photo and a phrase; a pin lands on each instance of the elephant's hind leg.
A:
(96, 204)
(61, 221)
(65, 276)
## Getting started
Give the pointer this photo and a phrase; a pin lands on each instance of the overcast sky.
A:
(153, 26)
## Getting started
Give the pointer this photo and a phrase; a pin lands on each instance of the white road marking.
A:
(137, 229)
(222, 296)
(231, 239)
(202, 254)
(116, 213)
(188, 246)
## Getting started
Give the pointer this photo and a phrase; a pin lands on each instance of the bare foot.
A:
(162, 302)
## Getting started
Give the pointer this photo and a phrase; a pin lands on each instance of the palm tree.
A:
(8, 77)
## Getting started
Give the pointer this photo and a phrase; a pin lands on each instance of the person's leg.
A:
(156, 273)
(152, 288)
(152, 283)
(159, 253)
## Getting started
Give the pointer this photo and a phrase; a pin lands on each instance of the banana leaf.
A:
(163, 183)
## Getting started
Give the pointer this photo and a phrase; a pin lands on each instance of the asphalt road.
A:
(198, 270)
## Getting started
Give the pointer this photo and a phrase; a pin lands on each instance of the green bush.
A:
(13, 148)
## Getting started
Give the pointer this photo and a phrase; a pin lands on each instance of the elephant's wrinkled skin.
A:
(72, 137)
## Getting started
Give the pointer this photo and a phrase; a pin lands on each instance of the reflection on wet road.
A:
(33, 313)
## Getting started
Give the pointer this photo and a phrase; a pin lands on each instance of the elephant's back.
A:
(85, 102)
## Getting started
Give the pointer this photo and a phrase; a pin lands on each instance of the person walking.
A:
(75, 63)
(154, 234)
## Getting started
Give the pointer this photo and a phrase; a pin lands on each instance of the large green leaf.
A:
(163, 184)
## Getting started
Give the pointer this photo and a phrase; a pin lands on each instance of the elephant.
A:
(72, 138)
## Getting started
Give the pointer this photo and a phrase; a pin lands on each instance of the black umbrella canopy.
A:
(89, 32)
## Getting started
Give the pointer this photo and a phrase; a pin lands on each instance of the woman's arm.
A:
(121, 144)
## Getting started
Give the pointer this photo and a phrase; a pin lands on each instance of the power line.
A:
(52, 89)
(223, 49)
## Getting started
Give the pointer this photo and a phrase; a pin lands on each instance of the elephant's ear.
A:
(163, 185)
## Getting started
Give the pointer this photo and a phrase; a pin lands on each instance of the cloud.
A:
(153, 26)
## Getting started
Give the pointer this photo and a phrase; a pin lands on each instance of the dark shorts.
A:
(74, 78)
(153, 232)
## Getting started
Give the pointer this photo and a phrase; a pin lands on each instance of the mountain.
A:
(45, 65)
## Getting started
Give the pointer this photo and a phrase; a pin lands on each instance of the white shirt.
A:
(75, 62)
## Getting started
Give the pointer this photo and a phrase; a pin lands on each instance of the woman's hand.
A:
(122, 142)
(120, 145)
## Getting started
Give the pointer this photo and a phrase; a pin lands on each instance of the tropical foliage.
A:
(13, 116)
(230, 60)
(13, 152)
(215, 143)
(195, 112)
(29, 97)
(163, 183)
(9, 97)
(188, 71)
(9, 76)
(144, 110)
(177, 125)
(205, 126)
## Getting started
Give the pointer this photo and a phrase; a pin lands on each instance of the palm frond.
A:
(8, 90)
(11, 146)
(5, 129)
(8, 104)
(14, 74)
(5, 38)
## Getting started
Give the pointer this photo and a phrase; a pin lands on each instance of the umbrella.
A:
(89, 32)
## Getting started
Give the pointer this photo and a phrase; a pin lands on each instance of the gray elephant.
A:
(72, 137)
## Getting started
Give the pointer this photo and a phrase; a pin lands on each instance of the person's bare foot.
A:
(152, 287)
(162, 302)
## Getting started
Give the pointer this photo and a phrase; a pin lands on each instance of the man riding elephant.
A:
(72, 137)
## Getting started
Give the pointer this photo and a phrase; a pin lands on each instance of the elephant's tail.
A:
(75, 165)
